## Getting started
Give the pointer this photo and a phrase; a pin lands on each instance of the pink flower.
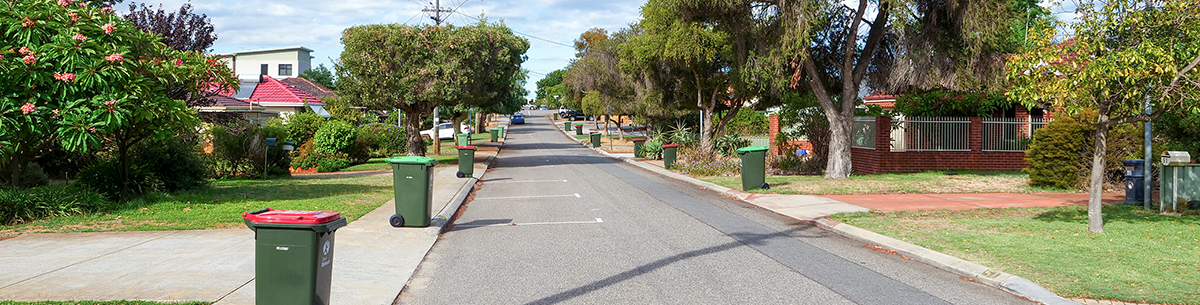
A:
(108, 28)
(80, 37)
(114, 57)
(107, 9)
(25, 50)
(109, 103)
(29, 59)
(82, 4)
(55, 112)
(64, 2)
(74, 17)
(28, 108)
(66, 77)
(178, 62)
(28, 22)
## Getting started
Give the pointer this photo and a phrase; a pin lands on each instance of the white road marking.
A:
(598, 220)
(524, 181)
(577, 195)
(525, 197)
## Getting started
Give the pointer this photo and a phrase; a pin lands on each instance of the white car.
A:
(445, 131)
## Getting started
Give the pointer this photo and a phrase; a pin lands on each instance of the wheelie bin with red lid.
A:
(466, 161)
(668, 155)
(293, 255)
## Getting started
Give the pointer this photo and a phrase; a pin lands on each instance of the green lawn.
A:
(97, 303)
(221, 205)
(1141, 257)
(894, 183)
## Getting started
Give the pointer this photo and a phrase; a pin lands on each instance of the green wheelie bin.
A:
(567, 126)
(596, 139)
(668, 154)
(502, 132)
(495, 134)
(754, 167)
(463, 139)
(637, 148)
(579, 129)
(556, 116)
(412, 181)
(466, 161)
(293, 255)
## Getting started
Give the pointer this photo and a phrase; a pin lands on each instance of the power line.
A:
(523, 34)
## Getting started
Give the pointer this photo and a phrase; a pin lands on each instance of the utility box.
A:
(1176, 158)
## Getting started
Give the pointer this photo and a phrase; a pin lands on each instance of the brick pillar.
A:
(883, 134)
(772, 132)
(975, 136)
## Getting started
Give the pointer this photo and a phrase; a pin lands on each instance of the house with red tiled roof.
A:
(273, 95)
(308, 86)
(223, 104)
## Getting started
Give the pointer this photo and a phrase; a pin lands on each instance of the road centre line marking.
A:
(598, 220)
(576, 195)
(524, 181)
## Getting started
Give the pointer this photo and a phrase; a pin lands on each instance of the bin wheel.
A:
(766, 186)
(460, 174)
(396, 221)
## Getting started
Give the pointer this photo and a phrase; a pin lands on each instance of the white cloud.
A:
(318, 25)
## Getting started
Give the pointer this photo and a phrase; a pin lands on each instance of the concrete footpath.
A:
(815, 209)
(372, 260)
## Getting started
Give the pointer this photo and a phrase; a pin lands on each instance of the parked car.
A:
(543, 107)
(445, 132)
(517, 118)
(574, 115)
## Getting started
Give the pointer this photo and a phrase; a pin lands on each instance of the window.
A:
(262, 70)
(285, 69)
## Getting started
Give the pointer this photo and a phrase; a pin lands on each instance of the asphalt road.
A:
(556, 223)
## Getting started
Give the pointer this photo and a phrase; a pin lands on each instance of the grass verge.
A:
(894, 183)
(1142, 256)
(221, 205)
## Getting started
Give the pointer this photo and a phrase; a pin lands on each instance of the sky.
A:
(550, 25)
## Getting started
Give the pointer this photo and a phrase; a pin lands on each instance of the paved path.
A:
(557, 223)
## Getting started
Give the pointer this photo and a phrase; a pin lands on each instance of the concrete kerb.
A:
(439, 222)
(988, 276)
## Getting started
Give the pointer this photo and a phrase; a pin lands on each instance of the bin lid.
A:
(578, 124)
(639, 139)
(292, 217)
(670, 145)
(596, 133)
(465, 147)
(494, 129)
(427, 161)
(752, 148)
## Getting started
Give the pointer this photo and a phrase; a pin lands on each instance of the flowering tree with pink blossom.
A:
(82, 76)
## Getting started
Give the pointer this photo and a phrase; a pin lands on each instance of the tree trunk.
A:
(706, 112)
(123, 169)
(840, 133)
(412, 127)
(1096, 185)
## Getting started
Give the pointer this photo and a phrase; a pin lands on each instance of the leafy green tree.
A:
(79, 75)
(320, 75)
(418, 68)
(550, 88)
(1121, 54)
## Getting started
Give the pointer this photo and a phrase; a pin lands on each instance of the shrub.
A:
(332, 163)
(302, 126)
(176, 163)
(1061, 153)
(690, 161)
(382, 139)
(32, 175)
(230, 145)
(800, 120)
(335, 137)
(728, 145)
(746, 123)
(652, 149)
(103, 176)
(20, 206)
(940, 102)
(306, 155)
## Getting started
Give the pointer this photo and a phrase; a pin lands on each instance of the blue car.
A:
(517, 118)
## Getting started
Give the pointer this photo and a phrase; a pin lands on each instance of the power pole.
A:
(437, 11)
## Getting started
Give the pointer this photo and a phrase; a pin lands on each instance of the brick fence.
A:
(883, 160)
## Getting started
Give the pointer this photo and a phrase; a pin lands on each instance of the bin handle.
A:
(260, 211)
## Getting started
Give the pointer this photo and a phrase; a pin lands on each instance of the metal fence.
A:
(931, 134)
(864, 132)
(759, 140)
(1009, 134)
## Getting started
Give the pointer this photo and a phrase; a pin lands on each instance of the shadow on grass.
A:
(1113, 213)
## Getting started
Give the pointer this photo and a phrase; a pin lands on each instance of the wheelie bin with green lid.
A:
(754, 167)
(596, 139)
(463, 139)
(637, 148)
(567, 126)
(668, 154)
(495, 134)
(579, 129)
(502, 130)
(293, 255)
(412, 179)
(466, 161)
